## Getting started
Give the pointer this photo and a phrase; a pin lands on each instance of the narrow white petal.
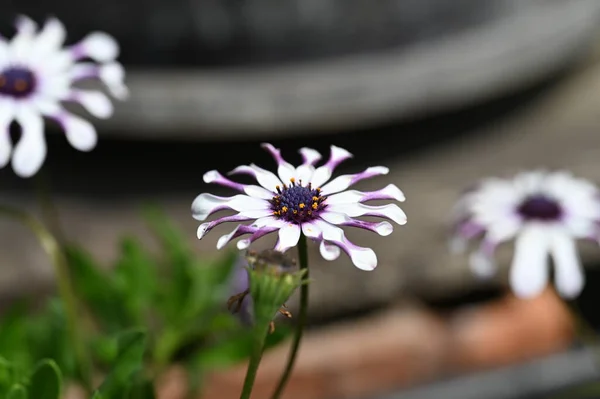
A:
(265, 178)
(268, 221)
(529, 270)
(310, 156)
(304, 173)
(482, 265)
(389, 192)
(98, 46)
(288, 237)
(95, 102)
(362, 258)
(285, 170)
(389, 211)
(323, 174)
(341, 183)
(80, 133)
(569, 276)
(30, 151)
(50, 39)
(311, 230)
(6, 117)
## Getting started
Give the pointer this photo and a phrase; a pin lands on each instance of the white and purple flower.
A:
(37, 75)
(302, 200)
(546, 212)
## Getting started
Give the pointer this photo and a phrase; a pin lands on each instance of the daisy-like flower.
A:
(37, 74)
(301, 200)
(545, 212)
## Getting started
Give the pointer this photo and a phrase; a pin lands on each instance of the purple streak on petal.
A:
(382, 194)
(217, 178)
(240, 230)
(261, 232)
(240, 282)
(381, 228)
(275, 153)
(206, 227)
(469, 229)
(367, 174)
(309, 156)
(337, 156)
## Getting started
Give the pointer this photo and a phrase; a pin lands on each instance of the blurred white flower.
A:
(545, 212)
(37, 74)
(302, 200)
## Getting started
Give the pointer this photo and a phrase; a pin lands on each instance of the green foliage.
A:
(44, 382)
(166, 290)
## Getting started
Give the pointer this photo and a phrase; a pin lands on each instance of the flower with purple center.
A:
(545, 212)
(304, 200)
(37, 75)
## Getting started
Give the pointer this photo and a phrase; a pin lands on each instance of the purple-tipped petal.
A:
(261, 232)
(98, 46)
(390, 192)
(214, 176)
(285, 170)
(309, 156)
(323, 173)
(289, 235)
(389, 211)
(341, 183)
(363, 258)
(340, 219)
(204, 228)
(239, 231)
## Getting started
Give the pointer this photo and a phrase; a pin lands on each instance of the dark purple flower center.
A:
(297, 203)
(540, 207)
(17, 82)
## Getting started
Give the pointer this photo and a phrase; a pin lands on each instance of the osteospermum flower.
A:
(37, 74)
(302, 200)
(546, 212)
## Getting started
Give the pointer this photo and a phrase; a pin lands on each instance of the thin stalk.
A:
(48, 207)
(303, 313)
(53, 249)
(255, 358)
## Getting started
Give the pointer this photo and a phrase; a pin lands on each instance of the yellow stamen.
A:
(315, 198)
(315, 206)
(284, 209)
(301, 206)
(295, 211)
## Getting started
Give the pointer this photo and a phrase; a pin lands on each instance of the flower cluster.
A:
(37, 74)
(545, 212)
(302, 200)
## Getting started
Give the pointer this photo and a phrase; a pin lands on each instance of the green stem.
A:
(48, 208)
(53, 249)
(303, 257)
(255, 358)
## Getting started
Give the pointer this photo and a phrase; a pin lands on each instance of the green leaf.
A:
(131, 346)
(17, 391)
(13, 336)
(136, 272)
(98, 289)
(46, 381)
(7, 377)
(141, 389)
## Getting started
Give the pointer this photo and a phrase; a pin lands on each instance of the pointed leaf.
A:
(131, 346)
(46, 381)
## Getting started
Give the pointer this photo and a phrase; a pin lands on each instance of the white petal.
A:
(25, 25)
(341, 183)
(6, 117)
(100, 47)
(569, 278)
(482, 265)
(265, 178)
(529, 270)
(362, 258)
(206, 204)
(50, 38)
(268, 221)
(389, 192)
(328, 251)
(304, 173)
(113, 76)
(285, 170)
(323, 173)
(30, 151)
(288, 237)
(95, 102)
(389, 211)
(311, 230)
(80, 133)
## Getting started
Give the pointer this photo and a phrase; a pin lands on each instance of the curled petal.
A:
(363, 258)
(389, 192)
(80, 133)
(206, 204)
(214, 176)
(111, 74)
(329, 251)
(309, 156)
(340, 219)
(204, 228)
(323, 173)
(259, 233)
(240, 230)
(389, 211)
(341, 183)
(288, 237)
(30, 151)
(285, 170)
(99, 46)
(265, 178)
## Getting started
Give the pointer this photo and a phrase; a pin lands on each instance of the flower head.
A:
(299, 200)
(37, 75)
(545, 212)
